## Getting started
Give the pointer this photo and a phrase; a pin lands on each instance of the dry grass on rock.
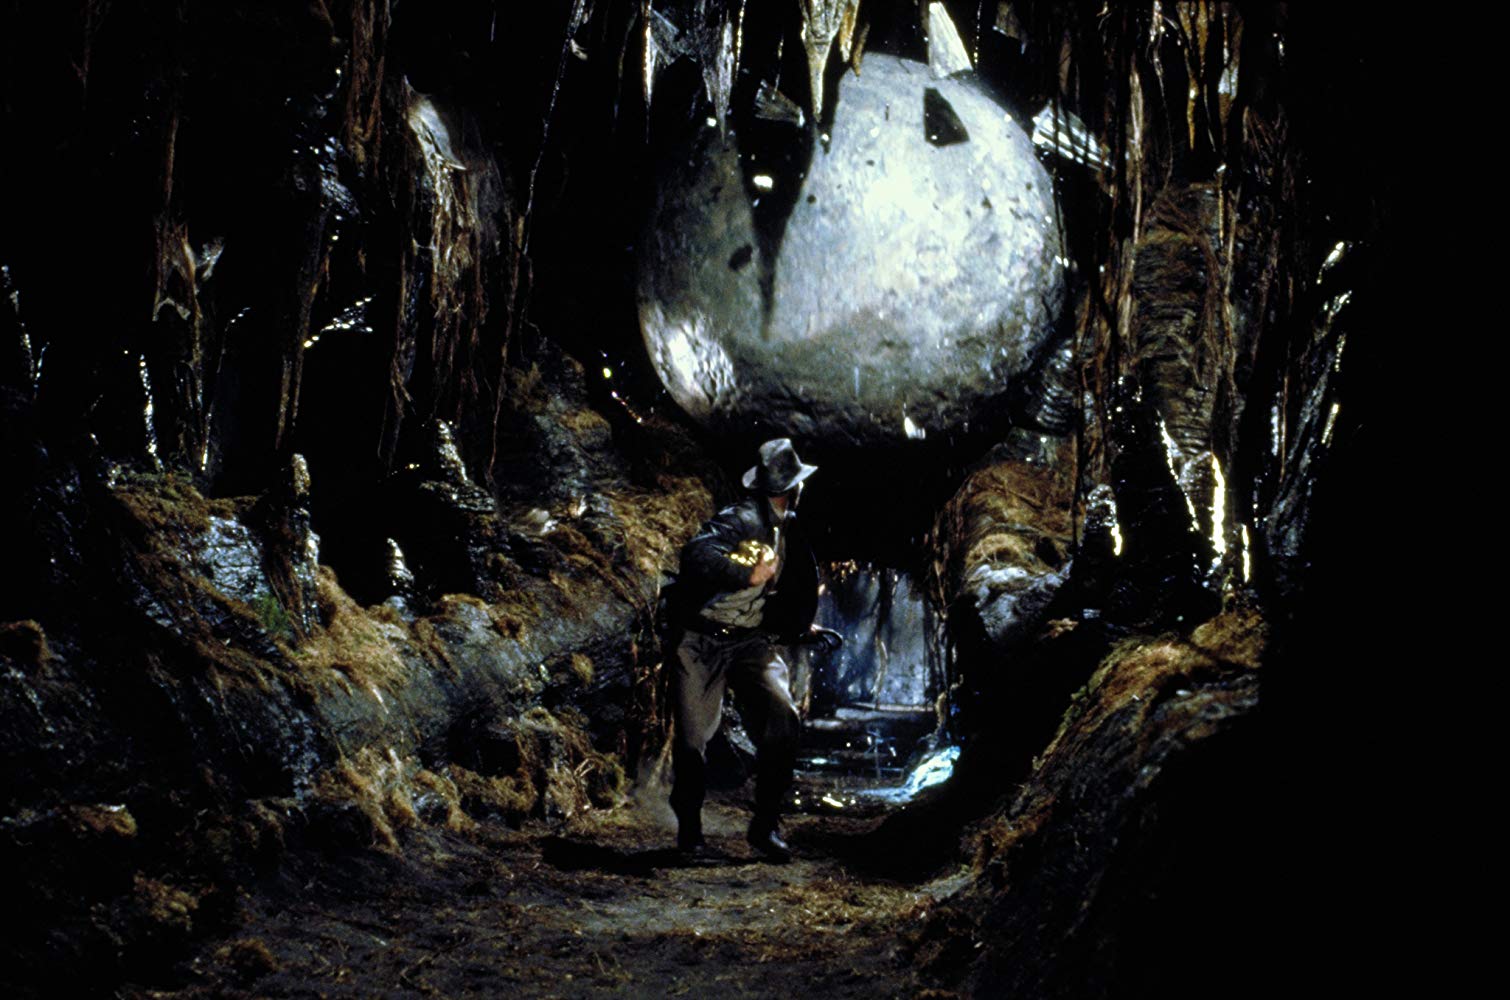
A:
(557, 774)
(1009, 514)
(359, 646)
(1135, 680)
(657, 524)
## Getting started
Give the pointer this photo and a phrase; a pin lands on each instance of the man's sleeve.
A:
(709, 555)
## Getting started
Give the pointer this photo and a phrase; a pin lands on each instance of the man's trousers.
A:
(704, 666)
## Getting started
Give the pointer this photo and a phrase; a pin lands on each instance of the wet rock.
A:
(1059, 132)
(457, 256)
(169, 670)
(267, 556)
(1096, 566)
(401, 584)
(553, 448)
(58, 738)
(1305, 435)
(1004, 560)
(910, 285)
(1011, 601)
(1007, 537)
(1184, 332)
(1049, 398)
(18, 366)
(1162, 564)
(447, 523)
(1146, 791)
(232, 560)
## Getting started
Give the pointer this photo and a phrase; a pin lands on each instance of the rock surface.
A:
(1007, 538)
(220, 696)
(1120, 832)
(914, 277)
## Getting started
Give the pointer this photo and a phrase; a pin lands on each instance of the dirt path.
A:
(599, 908)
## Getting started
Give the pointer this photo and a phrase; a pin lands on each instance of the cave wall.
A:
(312, 546)
(1231, 352)
(335, 459)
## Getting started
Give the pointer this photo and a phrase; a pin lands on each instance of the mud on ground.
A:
(600, 906)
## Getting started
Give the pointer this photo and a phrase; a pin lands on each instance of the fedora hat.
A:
(779, 470)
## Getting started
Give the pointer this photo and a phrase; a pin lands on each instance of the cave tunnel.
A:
(369, 365)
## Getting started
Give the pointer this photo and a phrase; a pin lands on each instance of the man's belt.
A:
(704, 627)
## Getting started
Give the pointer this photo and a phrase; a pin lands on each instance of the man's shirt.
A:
(730, 546)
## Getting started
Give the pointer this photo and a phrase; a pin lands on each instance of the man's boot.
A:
(687, 798)
(773, 776)
(765, 837)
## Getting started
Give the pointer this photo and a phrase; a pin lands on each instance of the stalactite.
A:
(825, 22)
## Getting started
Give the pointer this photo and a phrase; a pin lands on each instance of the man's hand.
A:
(760, 557)
(765, 569)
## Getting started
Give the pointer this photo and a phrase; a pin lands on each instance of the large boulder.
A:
(891, 286)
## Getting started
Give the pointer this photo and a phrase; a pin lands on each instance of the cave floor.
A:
(596, 906)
